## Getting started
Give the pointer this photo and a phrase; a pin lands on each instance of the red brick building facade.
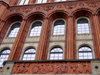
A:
(67, 27)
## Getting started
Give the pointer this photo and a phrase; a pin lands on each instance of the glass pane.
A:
(4, 56)
(36, 29)
(26, 1)
(29, 54)
(21, 2)
(14, 30)
(44, 1)
(82, 26)
(59, 27)
(56, 54)
(85, 53)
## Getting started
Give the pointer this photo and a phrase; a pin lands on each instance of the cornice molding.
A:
(4, 3)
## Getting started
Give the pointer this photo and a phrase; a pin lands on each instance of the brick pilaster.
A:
(44, 41)
(19, 42)
(96, 35)
(69, 39)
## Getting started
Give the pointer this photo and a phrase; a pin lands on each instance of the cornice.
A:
(2, 2)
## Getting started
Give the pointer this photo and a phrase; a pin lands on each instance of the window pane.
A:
(14, 30)
(26, 1)
(56, 54)
(44, 1)
(4, 56)
(36, 29)
(82, 26)
(23, 2)
(29, 54)
(59, 27)
(85, 53)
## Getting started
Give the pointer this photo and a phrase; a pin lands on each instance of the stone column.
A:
(96, 35)
(19, 41)
(69, 39)
(44, 41)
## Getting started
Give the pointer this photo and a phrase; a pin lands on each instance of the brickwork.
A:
(47, 13)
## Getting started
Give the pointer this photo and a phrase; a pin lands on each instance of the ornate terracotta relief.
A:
(93, 4)
(52, 68)
(26, 10)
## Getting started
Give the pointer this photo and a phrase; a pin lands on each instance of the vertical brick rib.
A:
(19, 42)
(96, 35)
(43, 41)
(69, 39)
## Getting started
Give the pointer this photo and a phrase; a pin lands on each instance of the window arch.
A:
(36, 28)
(41, 1)
(56, 54)
(59, 27)
(4, 56)
(29, 54)
(82, 26)
(14, 29)
(23, 2)
(85, 52)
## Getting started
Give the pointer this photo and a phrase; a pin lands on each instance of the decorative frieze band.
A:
(52, 68)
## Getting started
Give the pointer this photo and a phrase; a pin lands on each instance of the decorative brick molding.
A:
(52, 68)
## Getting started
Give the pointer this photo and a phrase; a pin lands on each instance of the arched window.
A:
(56, 54)
(36, 29)
(59, 0)
(23, 2)
(29, 54)
(85, 52)
(59, 26)
(14, 29)
(82, 26)
(4, 56)
(41, 1)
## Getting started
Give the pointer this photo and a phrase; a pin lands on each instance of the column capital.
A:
(95, 14)
(2, 21)
(46, 17)
(24, 20)
(70, 16)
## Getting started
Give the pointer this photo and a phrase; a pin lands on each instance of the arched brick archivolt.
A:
(22, 34)
(60, 15)
(6, 25)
